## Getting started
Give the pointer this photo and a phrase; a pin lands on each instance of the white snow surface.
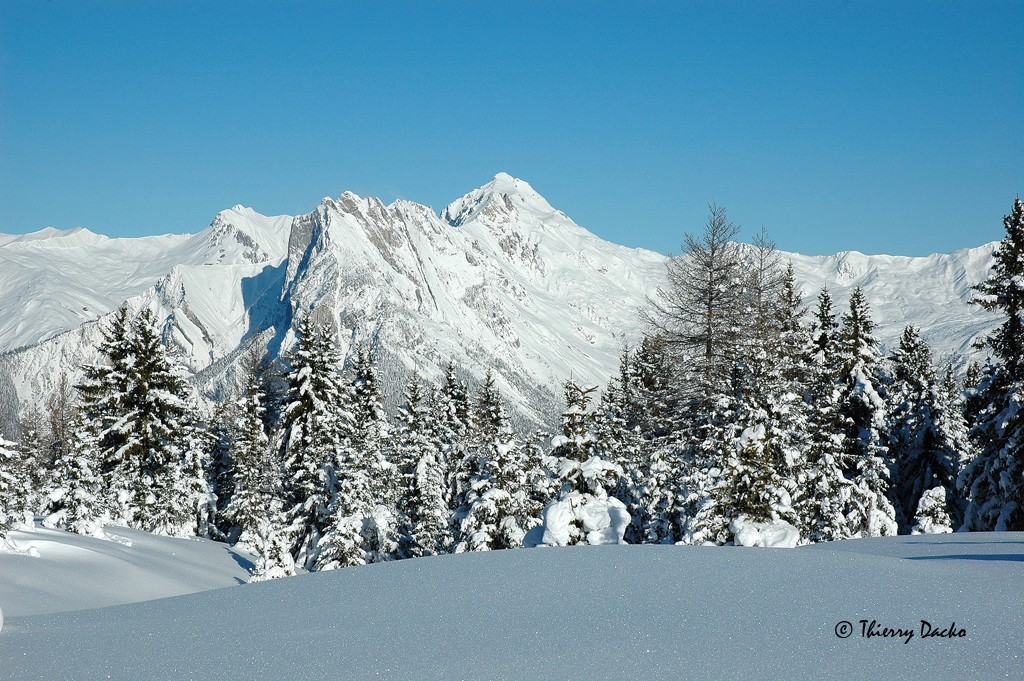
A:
(651, 612)
(499, 280)
(47, 571)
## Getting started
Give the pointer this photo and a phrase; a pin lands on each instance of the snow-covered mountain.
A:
(500, 281)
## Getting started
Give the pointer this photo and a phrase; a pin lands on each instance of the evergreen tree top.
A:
(1004, 290)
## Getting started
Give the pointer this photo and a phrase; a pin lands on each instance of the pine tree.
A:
(135, 407)
(367, 481)
(254, 472)
(75, 495)
(926, 432)
(315, 422)
(454, 421)
(221, 467)
(824, 492)
(583, 511)
(105, 408)
(12, 510)
(493, 514)
(862, 413)
(993, 481)
(158, 436)
(35, 460)
(423, 509)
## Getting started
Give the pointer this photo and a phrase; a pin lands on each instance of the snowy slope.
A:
(46, 571)
(620, 612)
(499, 280)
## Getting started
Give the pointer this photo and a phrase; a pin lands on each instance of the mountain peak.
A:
(503, 194)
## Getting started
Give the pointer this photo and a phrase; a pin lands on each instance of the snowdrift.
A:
(651, 612)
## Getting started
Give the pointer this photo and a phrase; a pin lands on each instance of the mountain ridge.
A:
(497, 280)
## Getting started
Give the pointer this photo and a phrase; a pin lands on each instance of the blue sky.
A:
(873, 126)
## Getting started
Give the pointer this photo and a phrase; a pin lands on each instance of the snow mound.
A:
(777, 534)
(50, 571)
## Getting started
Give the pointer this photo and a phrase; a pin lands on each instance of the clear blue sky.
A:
(874, 126)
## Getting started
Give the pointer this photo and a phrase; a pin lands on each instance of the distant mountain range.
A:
(499, 280)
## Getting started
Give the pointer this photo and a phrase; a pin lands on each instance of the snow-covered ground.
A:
(48, 571)
(637, 612)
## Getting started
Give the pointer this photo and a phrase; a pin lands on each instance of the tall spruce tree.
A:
(493, 513)
(926, 432)
(423, 509)
(994, 481)
(824, 492)
(862, 411)
(11, 508)
(255, 501)
(315, 421)
(135, 405)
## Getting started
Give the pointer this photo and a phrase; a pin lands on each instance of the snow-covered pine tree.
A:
(824, 491)
(255, 501)
(656, 488)
(159, 436)
(367, 480)
(583, 512)
(62, 415)
(12, 510)
(35, 461)
(993, 482)
(423, 508)
(617, 430)
(315, 421)
(75, 495)
(493, 514)
(862, 411)
(454, 421)
(765, 442)
(105, 407)
(926, 433)
(220, 470)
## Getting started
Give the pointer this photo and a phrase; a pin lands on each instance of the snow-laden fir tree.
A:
(583, 511)
(824, 492)
(932, 514)
(656, 490)
(253, 469)
(105, 406)
(926, 431)
(493, 515)
(367, 480)
(454, 422)
(12, 509)
(220, 469)
(135, 405)
(766, 442)
(618, 432)
(993, 481)
(162, 434)
(36, 459)
(75, 498)
(315, 423)
(862, 411)
(423, 508)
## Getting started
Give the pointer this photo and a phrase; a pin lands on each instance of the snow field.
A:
(652, 612)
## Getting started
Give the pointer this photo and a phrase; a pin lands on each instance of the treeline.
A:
(742, 404)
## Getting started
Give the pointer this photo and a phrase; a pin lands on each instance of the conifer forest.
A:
(748, 401)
